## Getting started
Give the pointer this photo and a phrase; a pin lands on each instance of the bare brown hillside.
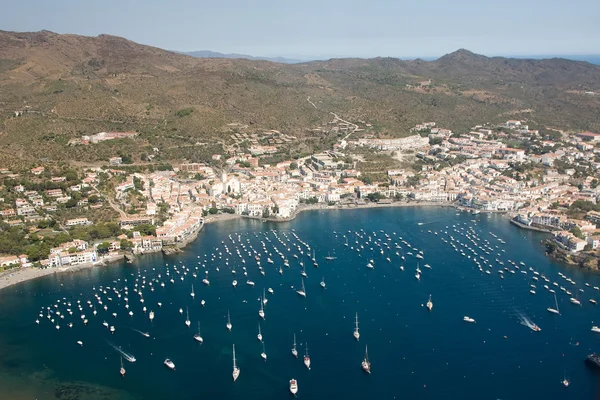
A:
(69, 85)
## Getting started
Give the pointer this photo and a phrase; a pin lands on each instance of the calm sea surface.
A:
(415, 354)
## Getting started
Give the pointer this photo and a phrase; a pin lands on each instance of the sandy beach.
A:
(18, 275)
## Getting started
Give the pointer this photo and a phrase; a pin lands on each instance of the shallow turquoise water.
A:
(414, 353)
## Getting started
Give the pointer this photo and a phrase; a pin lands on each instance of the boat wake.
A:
(526, 321)
(145, 334)
(127, 356)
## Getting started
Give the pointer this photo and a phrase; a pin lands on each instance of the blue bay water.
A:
(415, 354)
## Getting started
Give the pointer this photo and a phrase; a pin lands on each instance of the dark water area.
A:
(415, 354)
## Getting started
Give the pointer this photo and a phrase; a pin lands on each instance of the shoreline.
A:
(20, 275)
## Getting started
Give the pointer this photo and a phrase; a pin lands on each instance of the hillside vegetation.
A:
(69, 86)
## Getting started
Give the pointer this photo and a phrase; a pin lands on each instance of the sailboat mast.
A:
(234, 366)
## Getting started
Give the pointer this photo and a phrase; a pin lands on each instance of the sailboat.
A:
(264, 298)
(193, 294)
(554, 310)
(330, 257)
(356, 333)
(322, 283)
(197, 335)
(294, 351)
(366, 365)
(302, 292)
(187, 317)
(429, 304)
(122, 370)
(565, 381)
(259, 336)
(263, 354)
(229, 326)
(261, 312)
(306, 357)
(236, 370)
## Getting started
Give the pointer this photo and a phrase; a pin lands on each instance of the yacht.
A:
(356, 333)
(122, 370)
(234, 283)
(261, 312)
(370, 266)
(306, 358)
(554, 310)
(294, 351)
(429, 304)
(236, 370)
(249, 283)
(263, 354)
(229, 326)
(468, 319)
(366, 365)
(197, 336)
(169, 364)
(259, 336)
(206, 282)
(595, 329)
(302, 292)
(322, 283)
(293, 386)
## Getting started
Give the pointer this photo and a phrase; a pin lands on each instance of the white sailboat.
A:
(236, 371)
(193, 294)
(366, 364)
(306, 357)
(302, 292)
(229, 326)
(187, 317)
(264, 353)
(259, 336)
(429, 304)
(554, 310)
(322, 283)
(264, 299)
(261, 312)
(356, 333)
(197, 336)
(294, 351)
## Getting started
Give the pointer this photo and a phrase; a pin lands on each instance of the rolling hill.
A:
(69, 85)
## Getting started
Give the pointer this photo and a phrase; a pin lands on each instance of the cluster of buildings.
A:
(31, 206)
(102, 137)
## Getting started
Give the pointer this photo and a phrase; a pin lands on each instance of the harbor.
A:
(381, 329)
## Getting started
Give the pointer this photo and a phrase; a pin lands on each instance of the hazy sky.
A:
(326, 28)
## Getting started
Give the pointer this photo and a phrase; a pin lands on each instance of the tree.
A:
(293, 165)
(375, 197)
(213, 210)
(103, 247)
(71, 203)
(594, 183)
(577, 232)
(93, 199)
(126, 244)
(72, 250)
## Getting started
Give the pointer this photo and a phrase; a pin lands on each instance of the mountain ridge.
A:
(77, 85)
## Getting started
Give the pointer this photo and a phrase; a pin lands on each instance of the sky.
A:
(308, 29)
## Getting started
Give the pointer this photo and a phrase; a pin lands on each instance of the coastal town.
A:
(57, 216)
